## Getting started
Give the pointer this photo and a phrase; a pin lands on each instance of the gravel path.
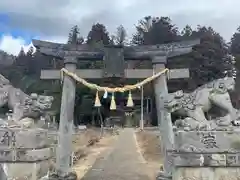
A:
(122, 162)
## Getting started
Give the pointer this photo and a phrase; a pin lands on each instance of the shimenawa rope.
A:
(112, 90)
(108, 89)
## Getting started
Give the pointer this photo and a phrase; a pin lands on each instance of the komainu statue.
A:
(194, 105)
(21, 104)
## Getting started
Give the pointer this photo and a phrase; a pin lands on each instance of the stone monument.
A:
(22, 147)
(22, 143)
(205, 148)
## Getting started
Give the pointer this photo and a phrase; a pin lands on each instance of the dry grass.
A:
(87, 146)
(85, 138)
(151, 150)
(84, 141)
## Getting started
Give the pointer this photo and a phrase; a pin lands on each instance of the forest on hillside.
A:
(209, 60)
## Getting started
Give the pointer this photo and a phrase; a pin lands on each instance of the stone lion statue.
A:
(194, 105)
(21, 104)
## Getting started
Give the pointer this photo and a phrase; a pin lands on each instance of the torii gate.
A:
(114, 59)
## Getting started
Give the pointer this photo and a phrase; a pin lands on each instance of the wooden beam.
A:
(83, 73)
(130, 52)
(179, 73)
(86, 47)
(160, 49)
(129, 73)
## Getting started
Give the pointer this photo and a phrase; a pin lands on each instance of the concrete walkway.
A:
(123, 162)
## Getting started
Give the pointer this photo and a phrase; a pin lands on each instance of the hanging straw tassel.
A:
(105, 94)
(168, 75)
(113, 103)
(97, 101)
(61, 76)
(130, 100)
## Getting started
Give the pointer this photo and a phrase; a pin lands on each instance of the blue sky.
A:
(15, 33)
(22, 37)
(20, 21)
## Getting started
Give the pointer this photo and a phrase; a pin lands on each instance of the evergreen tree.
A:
(21, 53)
(30, 51)
(235, 51)
(98, 34)
(235, 43)
(74, 36)
(155, 30)
(207, 62)
(187, 32)
(209, 59)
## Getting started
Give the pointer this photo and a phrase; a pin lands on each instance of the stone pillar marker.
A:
(164, 118)
(64, 150)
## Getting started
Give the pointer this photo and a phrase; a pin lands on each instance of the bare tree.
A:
(121, 35)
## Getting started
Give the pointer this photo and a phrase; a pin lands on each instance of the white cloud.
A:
(56, 17)
(13, 45)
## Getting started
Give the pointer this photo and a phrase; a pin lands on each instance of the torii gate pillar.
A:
(164, 117)
(64, 150)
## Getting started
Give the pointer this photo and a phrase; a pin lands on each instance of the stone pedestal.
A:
(24, 152)
(211, 155)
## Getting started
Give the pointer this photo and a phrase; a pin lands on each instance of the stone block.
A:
(23, 138)
(202, 173)
(34, 155)
(187, 160)
(22, 171)
(203, 160)
(25, 156)
(233, 160)
(208, 141)
(24, 145)
(207, 149)
(6, 155)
